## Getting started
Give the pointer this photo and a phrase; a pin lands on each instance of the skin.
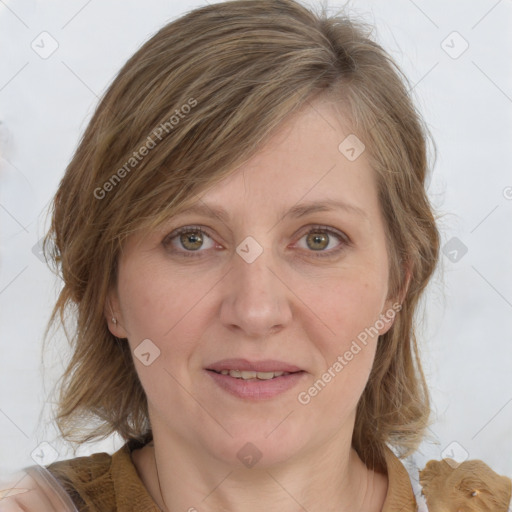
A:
(288, 304)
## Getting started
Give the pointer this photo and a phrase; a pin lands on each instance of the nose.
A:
(256, 300)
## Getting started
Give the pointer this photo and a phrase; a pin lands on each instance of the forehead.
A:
(312, 162)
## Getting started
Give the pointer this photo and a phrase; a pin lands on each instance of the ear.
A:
(394, 305)
(113, 315)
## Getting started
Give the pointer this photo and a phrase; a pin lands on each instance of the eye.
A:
(320, 238)
(187, 240)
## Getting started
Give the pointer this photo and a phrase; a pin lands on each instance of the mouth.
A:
(252, 375)
(244, 365)
(255, 380)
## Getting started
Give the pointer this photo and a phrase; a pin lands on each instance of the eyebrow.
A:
(296, 211)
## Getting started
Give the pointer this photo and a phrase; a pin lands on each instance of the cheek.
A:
(169, 310)
(154, 302)
(350, 308)
(154, 307)
(351, 302)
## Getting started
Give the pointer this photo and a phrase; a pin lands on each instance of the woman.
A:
(244, 235)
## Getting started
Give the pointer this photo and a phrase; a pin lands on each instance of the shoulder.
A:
(87, 480)
(85, 469)
(472, 485)
(70, 485)
(104, 483)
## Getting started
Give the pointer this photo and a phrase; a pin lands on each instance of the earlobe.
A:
(113, 317)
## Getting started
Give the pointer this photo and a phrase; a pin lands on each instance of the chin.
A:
(251, 449)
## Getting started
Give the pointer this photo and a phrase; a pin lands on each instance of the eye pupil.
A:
(318, 239)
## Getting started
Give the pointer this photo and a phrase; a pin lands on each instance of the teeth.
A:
(247, 375)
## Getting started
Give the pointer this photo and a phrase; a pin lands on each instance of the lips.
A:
(250, 374)
(255, 380)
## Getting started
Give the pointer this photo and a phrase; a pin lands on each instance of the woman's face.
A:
(284, 281)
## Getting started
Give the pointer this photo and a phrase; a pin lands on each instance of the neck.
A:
(180, 477)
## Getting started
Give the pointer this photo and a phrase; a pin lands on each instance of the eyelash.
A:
(344, 239)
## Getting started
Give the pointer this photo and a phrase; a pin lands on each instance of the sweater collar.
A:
(400, 495)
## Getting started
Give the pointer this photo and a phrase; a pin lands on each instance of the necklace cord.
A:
(165, 509)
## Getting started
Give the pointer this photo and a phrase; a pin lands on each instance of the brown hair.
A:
(201, 96)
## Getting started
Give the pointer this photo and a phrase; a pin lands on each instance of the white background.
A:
(466, 335)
